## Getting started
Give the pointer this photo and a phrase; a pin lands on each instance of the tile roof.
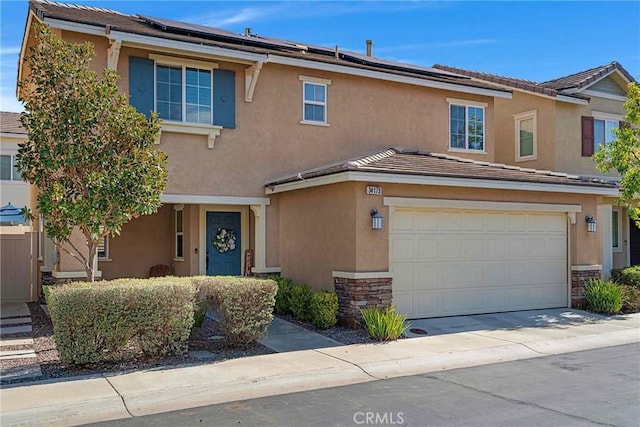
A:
(405, 162)
(585, 78)
(554, 87)
(10, 123)
(209, 36)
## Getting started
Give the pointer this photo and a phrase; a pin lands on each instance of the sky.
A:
(537, 41)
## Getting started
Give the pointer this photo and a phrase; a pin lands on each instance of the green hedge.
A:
(324, 309)
(627, 276)
(117, 320)
(299, 300)
(245, 305)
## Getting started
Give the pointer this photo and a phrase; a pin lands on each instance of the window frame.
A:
(518, 118)
(105, 256)
(180, 209)
(12, 169)
(617, 219)
(316, 82)
(466, 104)
(604, 117)
(162, 61)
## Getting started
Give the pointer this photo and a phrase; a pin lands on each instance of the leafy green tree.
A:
(623, 154)
(89, 153)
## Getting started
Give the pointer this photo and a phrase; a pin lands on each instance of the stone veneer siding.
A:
(579, 278)
(356, 294)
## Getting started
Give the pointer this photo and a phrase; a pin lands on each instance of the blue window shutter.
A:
(224, 98)
(141, 84)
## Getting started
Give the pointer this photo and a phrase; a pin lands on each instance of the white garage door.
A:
(451, 262)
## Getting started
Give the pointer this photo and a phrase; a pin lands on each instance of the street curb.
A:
(151, 392)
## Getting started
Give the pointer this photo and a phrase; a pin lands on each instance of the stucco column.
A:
(604, 228)
(260, 215)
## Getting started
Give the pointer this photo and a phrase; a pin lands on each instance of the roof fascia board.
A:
(323, 66)
(559, 97)
(479, 205)
(23, 47)
(14, 135)
(440, 181)
(213, 200)
(604, 95)
(77, 27)
(131, 39)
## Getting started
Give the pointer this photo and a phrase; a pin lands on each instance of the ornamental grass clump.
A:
(384, 325)
(603, 296)
(122, 319)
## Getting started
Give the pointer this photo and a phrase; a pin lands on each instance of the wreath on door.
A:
(225, 240)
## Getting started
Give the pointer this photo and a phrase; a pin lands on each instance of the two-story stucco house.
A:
(373, 178)
(558, 125)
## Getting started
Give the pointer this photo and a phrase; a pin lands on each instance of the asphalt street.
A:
(595, 387)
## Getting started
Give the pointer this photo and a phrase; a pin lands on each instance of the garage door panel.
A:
(402, 220)
(465, 262)
(401, 248)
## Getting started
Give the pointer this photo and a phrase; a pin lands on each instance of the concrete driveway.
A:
(549, 318)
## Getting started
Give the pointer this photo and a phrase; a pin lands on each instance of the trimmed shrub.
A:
(283, 296)
(603, 296)
(384, 325)
(245, 305)
(300, 302)
(199, 313)
(630, 299)
(117, 320)
(627, 276)
(324, 309)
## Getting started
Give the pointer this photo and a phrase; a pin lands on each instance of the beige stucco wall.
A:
(506, 140)
(569, 134)
(318, 233)
(143, 243)
(333, 227)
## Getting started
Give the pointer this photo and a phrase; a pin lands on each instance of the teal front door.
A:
(223, 244)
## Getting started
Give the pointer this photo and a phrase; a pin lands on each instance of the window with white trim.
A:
(314, 100)
(184, 94)
(616, 231)
(526, 136)
(179, 224)
(603, 132)
(9, 168)
(466, 125)
(103, 248)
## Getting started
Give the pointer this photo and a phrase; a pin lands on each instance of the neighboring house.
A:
(18, 242)
(12, 188)
(558, 125)
(283, 149)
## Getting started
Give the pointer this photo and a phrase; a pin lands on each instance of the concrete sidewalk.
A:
(109, 397)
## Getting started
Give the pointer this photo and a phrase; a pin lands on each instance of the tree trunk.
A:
(90, 265)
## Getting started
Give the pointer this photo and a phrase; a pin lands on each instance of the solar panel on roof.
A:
(216, 33)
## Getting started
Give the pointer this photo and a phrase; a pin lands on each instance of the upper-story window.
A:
(184, 94)
(9, 168)
(598, 130)
(192, 96)
(526, 136)
(466, 125)
(314, 100)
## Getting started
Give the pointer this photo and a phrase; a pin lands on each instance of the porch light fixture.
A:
(376, 220)
(591, 224)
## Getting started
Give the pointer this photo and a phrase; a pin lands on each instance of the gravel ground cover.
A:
(206, 338)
